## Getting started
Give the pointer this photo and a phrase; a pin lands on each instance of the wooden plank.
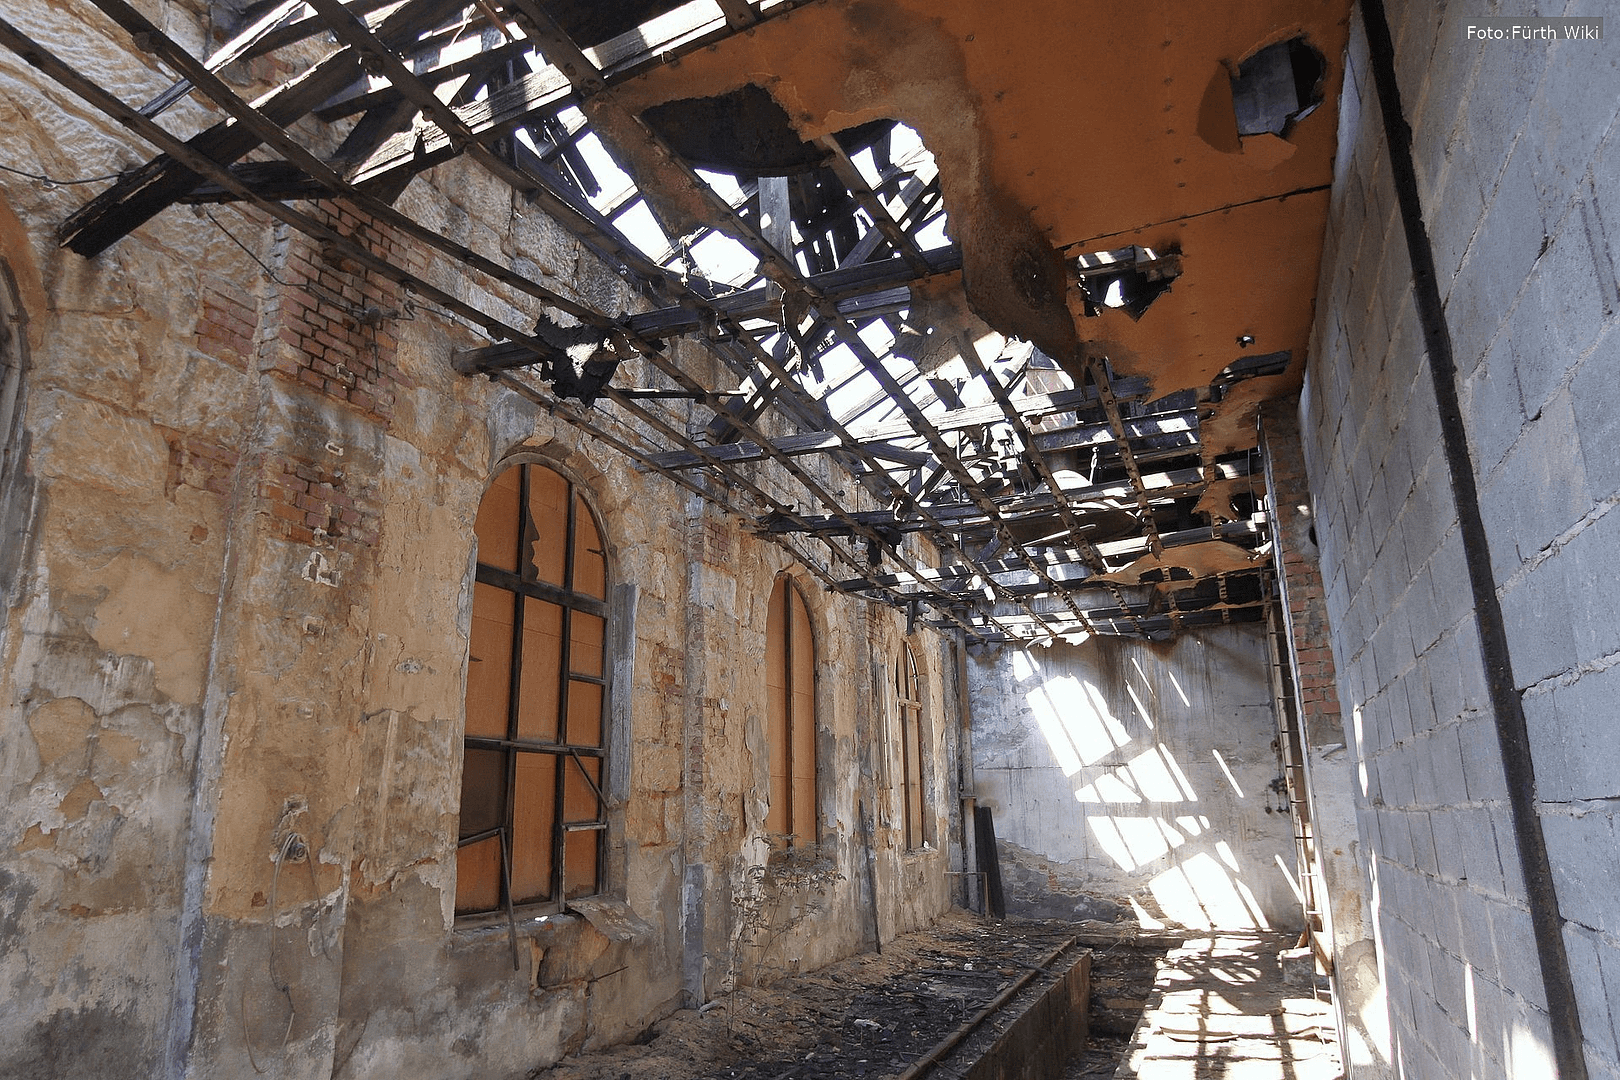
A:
(840, 284)
(142, 194)
(235, 49)
(792, 446)
(1161, 485)
(955, 420)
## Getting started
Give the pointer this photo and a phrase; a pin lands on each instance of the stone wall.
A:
(239, 553)
(1517, 158)
(1135, 778)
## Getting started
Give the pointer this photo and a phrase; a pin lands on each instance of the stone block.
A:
(1592, 588)
(1448, 984)
(1397, 835)
(1518, 962)
(1395, 784)
(1609, 971)
(1536, 614)
(1539, 490)
(1561, 316)
(1479, 845)
(1451, 778)
(1423, 855)
(1490, 399)
(1475, 943)
(1447, 846)
(1584, 861)
(1481, 759)
(1583, 948)
(1447, 567)
(1573, 109)
(1395, 713)
(1579, 737)
(1596, 394)
(1471, 668)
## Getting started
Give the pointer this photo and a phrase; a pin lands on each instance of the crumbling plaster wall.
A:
(242, 613)
(1136, 778)
(1516, 151)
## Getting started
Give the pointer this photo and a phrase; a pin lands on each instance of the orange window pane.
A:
(585, 641)
(548, 510)
(804, 809)
(483, 788)
(533, 811)
(802, 718)
(579, 801)
(579, 864)
(478, 876)
(590, 557)
(584, 713)
(540, 685)
(776, 707)
(497, 522)
(489, 661)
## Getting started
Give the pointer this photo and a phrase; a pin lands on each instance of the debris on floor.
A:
(872, 1015)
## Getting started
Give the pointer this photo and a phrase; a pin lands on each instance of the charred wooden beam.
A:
(960, 516)
(1032, 406)
(142, 193)
(1097, 368)
(952, 575)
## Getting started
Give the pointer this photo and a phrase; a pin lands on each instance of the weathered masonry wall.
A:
(238, 548)
(1518, 176)
(1128, 777)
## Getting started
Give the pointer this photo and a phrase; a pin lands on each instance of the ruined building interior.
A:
(490, 486)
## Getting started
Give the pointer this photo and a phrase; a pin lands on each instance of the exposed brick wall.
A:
(1518, 155)
(717, 541)
(198, 463)
(228, 326)
(1302, 586)
(311, 503)
(333, 317)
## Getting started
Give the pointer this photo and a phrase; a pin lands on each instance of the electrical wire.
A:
(51, 181)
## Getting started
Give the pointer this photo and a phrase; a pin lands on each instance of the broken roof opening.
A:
(1277, 87)
(820, 272)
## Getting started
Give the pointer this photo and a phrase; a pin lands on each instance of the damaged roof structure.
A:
(519, 518)
(1054, 384)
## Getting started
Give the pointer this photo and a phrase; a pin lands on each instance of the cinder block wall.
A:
(1518, 161)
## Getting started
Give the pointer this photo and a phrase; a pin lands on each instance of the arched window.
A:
(908, 722)
(532, 814)
(790, 692)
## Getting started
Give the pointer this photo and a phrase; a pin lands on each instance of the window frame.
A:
(916, 830)
(568, 757)
(803, 825)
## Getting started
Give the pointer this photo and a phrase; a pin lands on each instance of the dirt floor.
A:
(871, 1015)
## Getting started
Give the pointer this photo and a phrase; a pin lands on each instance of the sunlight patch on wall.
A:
(1076, 721)
(1151, 776)
(1526, 1052)
(1134, 842)
(1202, 894)
(1175, 682)
(1230, 779)
(1141, 709)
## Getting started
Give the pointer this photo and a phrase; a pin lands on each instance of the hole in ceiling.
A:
(1278, 86)
(1129, 279)
(747, 134)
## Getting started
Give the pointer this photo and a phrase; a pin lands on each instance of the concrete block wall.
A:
(1518, 159)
